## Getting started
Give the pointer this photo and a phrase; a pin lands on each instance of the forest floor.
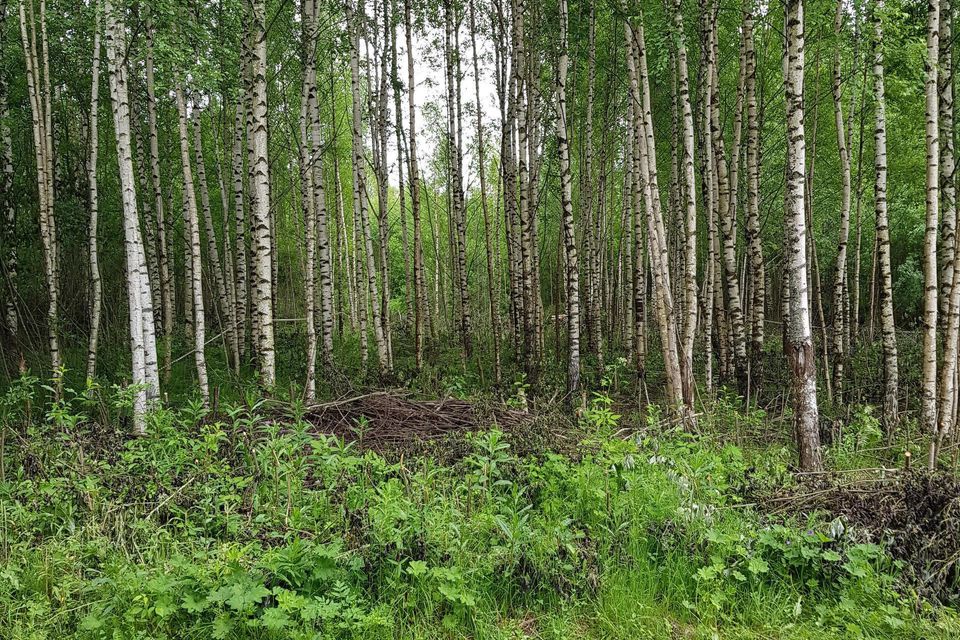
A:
(381, 515)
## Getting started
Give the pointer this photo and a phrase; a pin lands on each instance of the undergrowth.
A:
(237, 526)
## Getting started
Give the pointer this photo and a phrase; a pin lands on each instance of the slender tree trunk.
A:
(193, 240)
(164, 224)
(840, 282)
(224, 309)
(359, 197)
(93, 202)
(799, 344)
(948, 205)
(754, 241)
(419, 282)
(379, 139)
(569, 229)
(520, 95)
(928, 404)
(947, 409)
(240, 230)
(454, 157)
(813, 263)
(320, 207)
(40, 106)
(309, 203)
(659, 260)
(726, 210)
(587, 213)
(408, 292)
(488, 237)
(857, 258)
(689, 191)
(9, 221)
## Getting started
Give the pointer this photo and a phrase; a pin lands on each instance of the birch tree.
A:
(38, 92)
(569, 229)
(145, 375)
(93, 201)
(799, 343)
(262, 228)
(928, 398)
(840, 281)
(192, 232)
(419, 281)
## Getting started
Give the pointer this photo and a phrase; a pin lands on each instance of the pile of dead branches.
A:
(916, 514)
(384, 419)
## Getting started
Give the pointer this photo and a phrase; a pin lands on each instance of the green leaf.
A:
(758, 566)
(274, 619)
(831, 556)
(192, 604)
(222, 626)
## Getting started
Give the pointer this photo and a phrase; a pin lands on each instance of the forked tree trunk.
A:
(454, 157)
(142, 333)
(726, 213)
(38, 85)
(659, 260)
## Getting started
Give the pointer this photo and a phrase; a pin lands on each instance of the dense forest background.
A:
(199, 48)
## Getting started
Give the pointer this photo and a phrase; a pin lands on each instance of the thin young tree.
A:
(224, 308)
(38, 92)
(93, 202)
(689, 191)
(242, 309)
(455, 158)
(492, 295)
(840, 281)
(8, 216)
(948, 204)
(192, 232)
(419, 280)
(160, 211)
(569, 228)
(656, 233)
(360, 208)
(754, 241)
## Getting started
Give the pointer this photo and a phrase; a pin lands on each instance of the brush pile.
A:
(386, 420)
(916, 514)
